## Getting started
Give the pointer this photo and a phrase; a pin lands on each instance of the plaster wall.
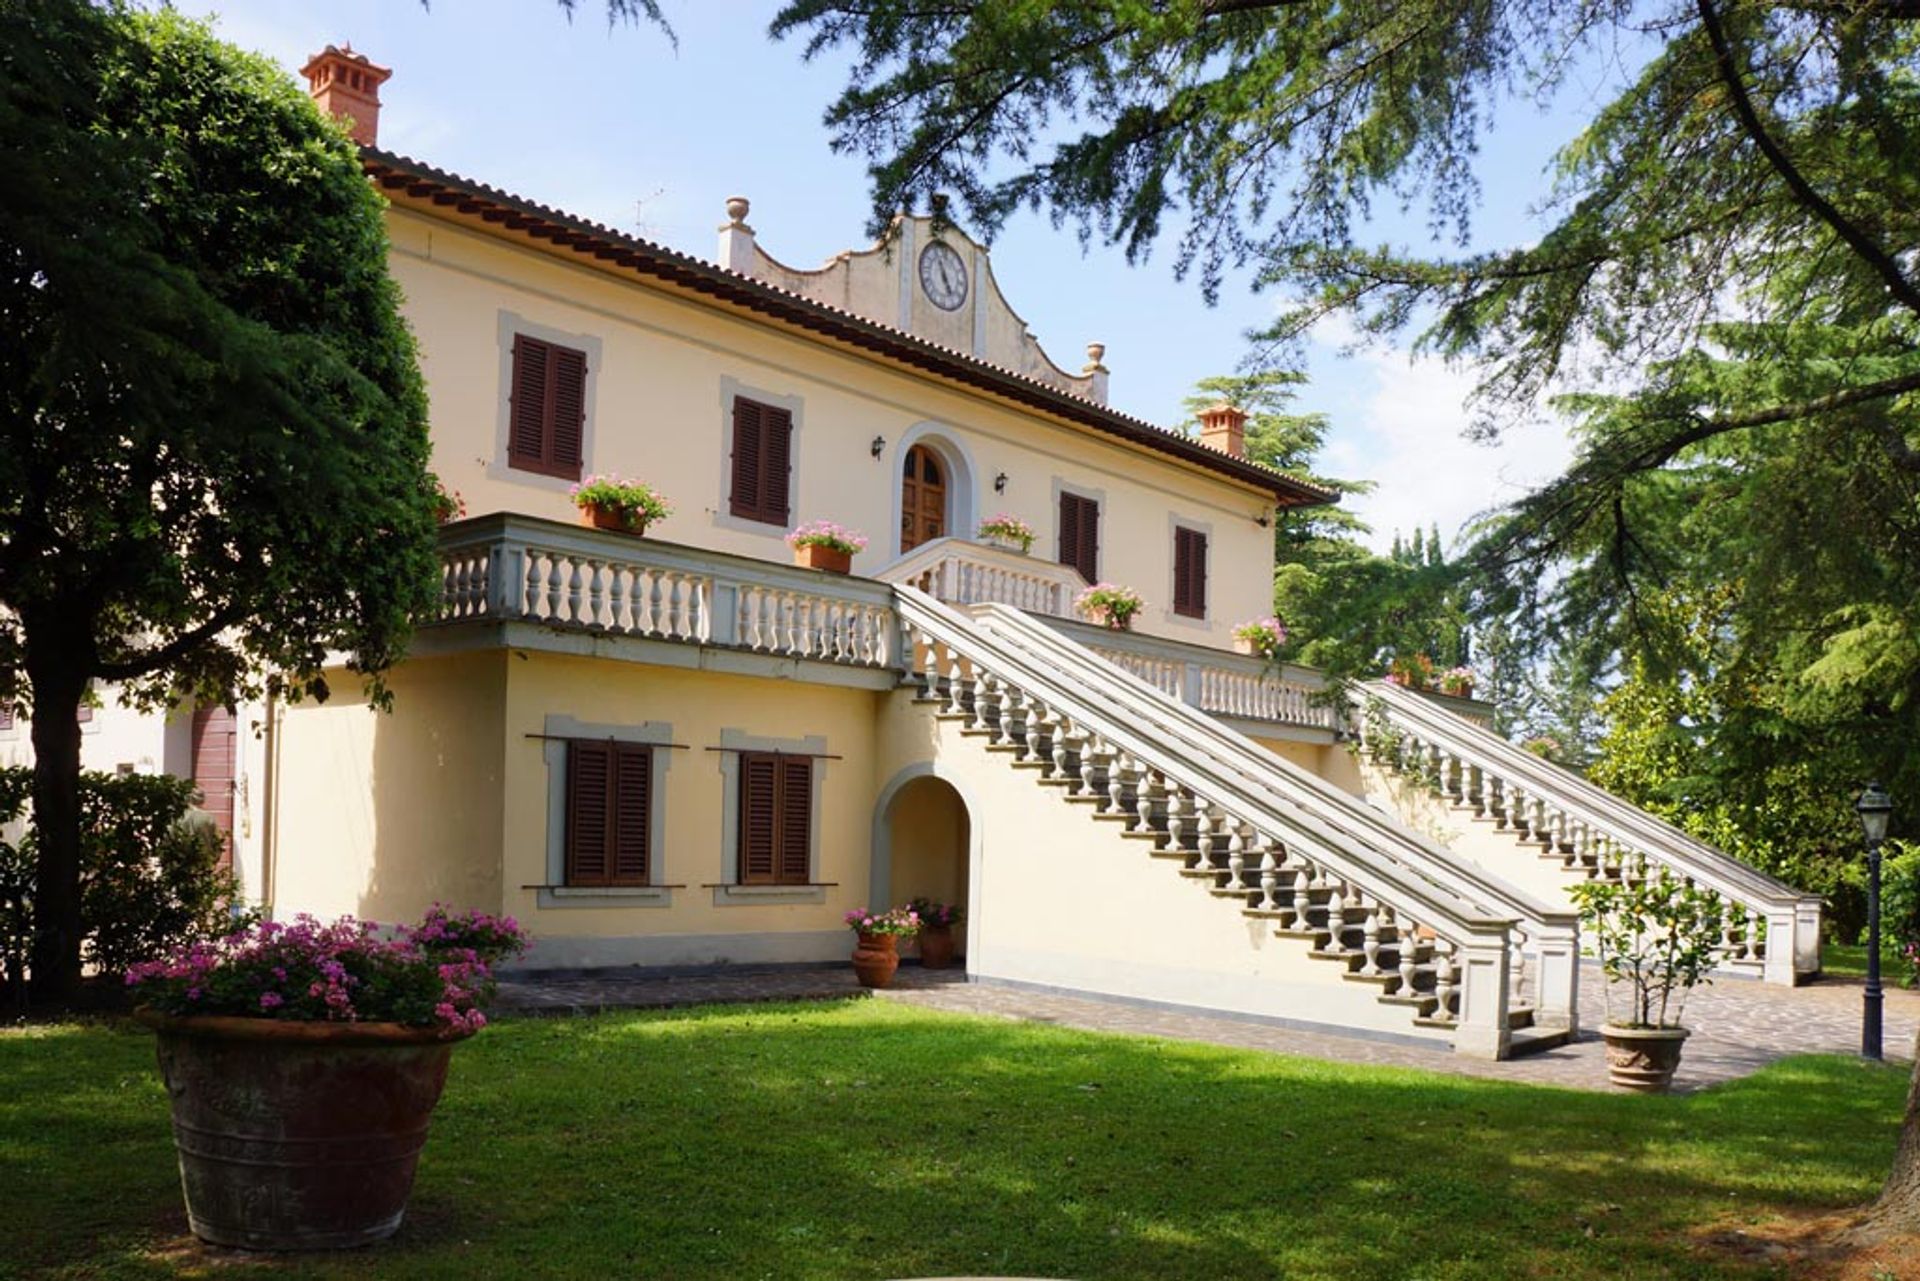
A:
(1155, 936)
(663, 369)
(382, 814)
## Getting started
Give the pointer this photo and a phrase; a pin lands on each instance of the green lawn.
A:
(867, 1140)
(1849, 961)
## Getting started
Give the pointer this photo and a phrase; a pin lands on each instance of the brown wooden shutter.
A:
(759, 817)
(527, 403)
(632, 813)
(547, 408)
(745, 498)
(1189, 572)
(569, 422)
(778, 453)
(589, 779)
(796, 819)
(1080, 535)
(762, 461)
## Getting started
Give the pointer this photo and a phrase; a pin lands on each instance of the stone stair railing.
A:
(1545, 962)
(961, 572)
(521, 569)
(1416, 941)
(1241, 687)
(1775, 928)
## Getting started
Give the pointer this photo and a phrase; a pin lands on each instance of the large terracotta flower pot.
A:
(875, 958)
(594, 516)
(831, 559)
(298, 1136)
(1643, 1058)
(936, 946)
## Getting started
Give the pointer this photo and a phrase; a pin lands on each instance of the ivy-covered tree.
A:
(212, 427)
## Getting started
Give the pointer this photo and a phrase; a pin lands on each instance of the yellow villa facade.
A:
(683, 749)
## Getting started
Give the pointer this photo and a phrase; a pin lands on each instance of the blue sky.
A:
(618, 126)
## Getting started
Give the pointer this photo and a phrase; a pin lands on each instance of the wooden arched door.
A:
(923, 498)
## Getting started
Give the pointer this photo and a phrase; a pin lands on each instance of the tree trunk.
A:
(55, 964)
(1897, 1212)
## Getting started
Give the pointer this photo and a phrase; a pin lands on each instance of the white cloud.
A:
(1403, 425)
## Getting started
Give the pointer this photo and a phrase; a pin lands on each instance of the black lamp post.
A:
(1873, 807)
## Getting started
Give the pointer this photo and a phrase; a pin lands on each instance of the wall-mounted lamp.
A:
(878, 447)
(1262, 520)
(1000, 483)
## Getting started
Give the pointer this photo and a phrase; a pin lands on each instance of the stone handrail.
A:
(1213, 680)
(997, 684)
(507, 567)
(1541, 801)
(961, 572)
(1551, 933)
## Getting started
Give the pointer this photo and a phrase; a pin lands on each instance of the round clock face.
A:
(943, 276)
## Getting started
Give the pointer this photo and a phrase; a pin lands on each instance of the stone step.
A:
(1537, 1040)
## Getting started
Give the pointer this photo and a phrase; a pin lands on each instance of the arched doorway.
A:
(927, 840)
(923, 498)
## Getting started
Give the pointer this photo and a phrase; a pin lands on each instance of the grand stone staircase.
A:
(1310, 907)
(1547, 828)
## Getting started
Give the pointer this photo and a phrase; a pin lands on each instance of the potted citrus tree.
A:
(1657, 937)
(625, 506)
(303, 1061)
(876, 952)
(821, 544)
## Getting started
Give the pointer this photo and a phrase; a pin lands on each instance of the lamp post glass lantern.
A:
(1874, 807)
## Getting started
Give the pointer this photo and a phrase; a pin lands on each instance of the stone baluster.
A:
(1236, 854)
(1370, 942)
(1013, 730)
(955, 670)
(1303, 875)
(1176, 815)
(1407, 935)
(1120, 767)
(1476, 790)
(991, 700)
(1203, 831)
(1038, 717)
(1143, 791)
(1065, 736)
(1443, 957)
(1269, 871)
(1336, 943)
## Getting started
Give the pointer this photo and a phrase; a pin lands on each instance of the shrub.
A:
(150, 876)
(1658, 935)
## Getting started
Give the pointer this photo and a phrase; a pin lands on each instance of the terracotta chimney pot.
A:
(346, 83)
(1224, 427)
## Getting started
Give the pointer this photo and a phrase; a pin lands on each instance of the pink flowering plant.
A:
(1009, 529)
(824, 533)
(1412, 671)
(1109, 603)
(1457, 681)
(1264, 636)
(436, 974)
(902, 921)
(637, 503)
(935, 915)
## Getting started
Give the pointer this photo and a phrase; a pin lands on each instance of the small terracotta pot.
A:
(1643, 1058)
(936, 946)
(594, 516)
(1241, 645)
(875, 958)
(830, 559)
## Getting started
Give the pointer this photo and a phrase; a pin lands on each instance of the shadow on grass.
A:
(872, 1140)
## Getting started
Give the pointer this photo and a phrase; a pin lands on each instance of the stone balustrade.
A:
(1441, 954)
(1773, 928)
(515, 568)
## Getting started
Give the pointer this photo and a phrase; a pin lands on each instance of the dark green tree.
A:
(213, 442)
